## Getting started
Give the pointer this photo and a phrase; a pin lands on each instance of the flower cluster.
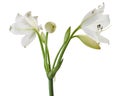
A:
(93, 23)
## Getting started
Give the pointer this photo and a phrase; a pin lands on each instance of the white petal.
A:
(22, 26)
(92, 23)
(32, 21)
(91, 33)
(35, 17)
(91, 20)
(27, 39)
(103, 39)
(93, 12)
(28, 14)
(104, 20)
(27, 20)
(100, 8)
(95, 36)
(40, 27)
(20, 29)
(19, 17)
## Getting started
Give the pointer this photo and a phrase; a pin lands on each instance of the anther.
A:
(93, 11)
(99, 27)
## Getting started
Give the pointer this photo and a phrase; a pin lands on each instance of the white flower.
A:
(94, 23)
(25, 25)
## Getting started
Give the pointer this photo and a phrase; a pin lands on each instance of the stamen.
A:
(93, 11)
(101, 6)
(99, 27)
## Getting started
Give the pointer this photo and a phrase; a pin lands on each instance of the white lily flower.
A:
(25, 25)
(94, 23)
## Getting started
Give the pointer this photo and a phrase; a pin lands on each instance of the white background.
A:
(85, 71)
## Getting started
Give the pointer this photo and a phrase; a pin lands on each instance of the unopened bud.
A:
(89, 42)
(50, 27)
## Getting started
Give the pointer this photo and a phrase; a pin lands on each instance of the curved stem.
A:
(41, 45)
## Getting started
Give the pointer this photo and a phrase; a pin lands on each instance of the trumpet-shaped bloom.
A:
(25, 25)
(94, 23)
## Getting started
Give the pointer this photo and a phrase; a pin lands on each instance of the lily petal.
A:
(95, 36)
(97, 19)
(20, 29)
(95, 11)
(28, 14)
(103, 39)
(104, 20)
(91, 33)
(27, 19)
(19, 17)
(27, 39)
(31, 20)
(25, 25)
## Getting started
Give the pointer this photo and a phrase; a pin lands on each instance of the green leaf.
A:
(88, 41)
(67, 34)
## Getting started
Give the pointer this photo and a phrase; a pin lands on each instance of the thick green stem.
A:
(51, 89)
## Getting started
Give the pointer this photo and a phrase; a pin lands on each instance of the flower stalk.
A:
(41, 44)
(51, 89)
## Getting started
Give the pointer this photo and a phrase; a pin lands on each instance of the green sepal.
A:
(88, 41)
(67, 34)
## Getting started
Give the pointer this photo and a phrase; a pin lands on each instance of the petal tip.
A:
(10, 28)
(24, 46)
(28, 14)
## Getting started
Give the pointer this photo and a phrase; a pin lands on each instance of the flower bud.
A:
(50, 27)
(89, 42)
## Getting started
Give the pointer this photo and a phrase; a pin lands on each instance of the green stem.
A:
(64, 46)
(41, 45)
(57, 56)
(51, 89)
(47, 57)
